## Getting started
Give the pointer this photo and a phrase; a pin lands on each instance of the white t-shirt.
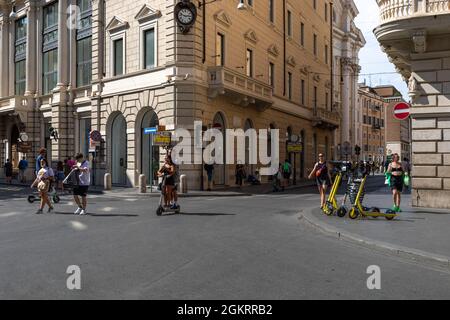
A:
(84, 177)
(45, 173)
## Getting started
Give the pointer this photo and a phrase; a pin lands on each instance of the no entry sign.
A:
(401, 111)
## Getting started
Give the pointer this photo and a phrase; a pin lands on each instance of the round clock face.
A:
(185, 16)
(24, 137)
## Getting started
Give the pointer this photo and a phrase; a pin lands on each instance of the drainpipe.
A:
(204, 32)
(284, 47)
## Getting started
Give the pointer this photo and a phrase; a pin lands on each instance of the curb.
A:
(308, 218)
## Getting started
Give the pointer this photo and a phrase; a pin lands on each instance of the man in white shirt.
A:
(84, 178)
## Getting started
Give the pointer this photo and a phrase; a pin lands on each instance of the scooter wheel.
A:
(375, 210)
(341, 212)
(390, 212)
(31, 199)
(354, 213)
(178, 211)
(56, 199)
(159, 211)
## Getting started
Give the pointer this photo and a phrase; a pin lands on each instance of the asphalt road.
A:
(219, 248)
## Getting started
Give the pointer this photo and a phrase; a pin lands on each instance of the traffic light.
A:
(53, 133)
(357, 150)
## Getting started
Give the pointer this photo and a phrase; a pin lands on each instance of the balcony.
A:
(412, 27)
(376, 127)
(242, 90)
(15, 106)
(393, 10)
(325, 119)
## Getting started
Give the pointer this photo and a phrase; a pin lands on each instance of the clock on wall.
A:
(185, 14)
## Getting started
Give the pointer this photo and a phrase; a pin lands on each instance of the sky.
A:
(373, 61)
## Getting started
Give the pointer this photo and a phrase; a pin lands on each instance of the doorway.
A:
(119, 150)
(150, 159)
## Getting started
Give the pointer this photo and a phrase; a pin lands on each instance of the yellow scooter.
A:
(358, 210)
(331, 207)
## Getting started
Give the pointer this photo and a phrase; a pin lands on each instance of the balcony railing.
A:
(325, 119)
(12, 103)
(240, 88)
(391, 10)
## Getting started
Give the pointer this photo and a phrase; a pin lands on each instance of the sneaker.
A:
(173, 207)
(83, 212)
(78, 211)
(394, 208)
(398, 209)
(50, 210)
(39, 211)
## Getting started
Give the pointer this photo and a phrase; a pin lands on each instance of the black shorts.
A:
(80, 191)
(397, 183)
(170, 181)
(321, 181)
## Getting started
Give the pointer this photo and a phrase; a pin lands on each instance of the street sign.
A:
(96, 136)
(402, 111)
(162, 138)
(150, 130)
(24, 147)
(294, 147)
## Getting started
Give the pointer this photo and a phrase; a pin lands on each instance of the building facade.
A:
(347, 42)
(415, 34)
(398, 132)
(373, 127)
(126, 67)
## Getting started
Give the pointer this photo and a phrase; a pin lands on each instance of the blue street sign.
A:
(150, 130)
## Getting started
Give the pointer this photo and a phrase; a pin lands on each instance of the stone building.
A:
(127, 66)
(416, 36)
(347, 42)
(373, 126)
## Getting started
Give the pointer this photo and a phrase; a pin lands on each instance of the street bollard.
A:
(183, 184)
(142, 184)
(108, 181)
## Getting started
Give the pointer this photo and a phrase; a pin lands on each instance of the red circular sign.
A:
(402, 111)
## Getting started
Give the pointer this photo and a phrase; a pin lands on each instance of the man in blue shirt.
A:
(42, 154)
(23, 166)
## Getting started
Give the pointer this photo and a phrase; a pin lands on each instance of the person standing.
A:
(240, 174)
(396, 170)
(43, 180)
(287, 171)
(23, 166)
(209, 168)
(42, 155)
(323, 179)
(83, 173)
(8, 168)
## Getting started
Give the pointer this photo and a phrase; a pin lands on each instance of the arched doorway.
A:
(220, 169)
(149, 154)
(119, 150)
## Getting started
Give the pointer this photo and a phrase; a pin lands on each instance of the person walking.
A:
(209, 168)
(396, 170)
(83, 177)
(43, 181)
(323, 179)
(23, 166)
(42, 155)
(8, 168)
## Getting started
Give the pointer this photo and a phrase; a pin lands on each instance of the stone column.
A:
(63, 44)
(4, 57)
(31, 63)
(346, 100)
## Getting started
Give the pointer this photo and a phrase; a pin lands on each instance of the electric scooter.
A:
(374, 212)
(53, 195)
(331, 205)
(161, 208)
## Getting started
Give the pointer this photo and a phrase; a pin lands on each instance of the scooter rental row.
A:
(357, 177)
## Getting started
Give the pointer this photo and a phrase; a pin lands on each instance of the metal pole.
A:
(151, 163)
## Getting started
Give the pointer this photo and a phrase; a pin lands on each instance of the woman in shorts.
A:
(44, 177)
(323, 178)
(396, 170)
(168, 170)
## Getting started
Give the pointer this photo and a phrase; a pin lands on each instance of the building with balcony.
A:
(373, 126)
(119, 67)
(347, 42)
(415, 34)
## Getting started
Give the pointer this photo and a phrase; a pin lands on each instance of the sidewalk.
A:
(246, 190)
(418, 233)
